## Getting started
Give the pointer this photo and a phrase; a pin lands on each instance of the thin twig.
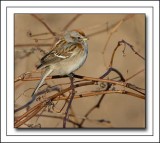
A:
(71, 21)
(118, 45)
(70, 101)
(29, 114)
(57, 117)
(95, 93)
(123, 41)
(32, 45)
(115, 27)
(29, 33)
(92, 79)
(134, 75)
(41, 21)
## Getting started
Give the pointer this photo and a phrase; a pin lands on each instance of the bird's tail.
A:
(45, 74)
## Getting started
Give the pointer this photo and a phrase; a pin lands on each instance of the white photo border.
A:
(8, 77)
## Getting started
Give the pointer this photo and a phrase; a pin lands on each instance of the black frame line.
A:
(145, 71)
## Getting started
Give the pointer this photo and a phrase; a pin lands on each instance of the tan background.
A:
(123, 111)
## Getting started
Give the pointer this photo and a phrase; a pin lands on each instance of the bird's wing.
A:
(61, 51)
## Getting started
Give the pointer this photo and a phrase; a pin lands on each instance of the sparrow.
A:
(69, 55)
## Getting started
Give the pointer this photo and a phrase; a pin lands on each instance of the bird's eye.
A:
(79, 37)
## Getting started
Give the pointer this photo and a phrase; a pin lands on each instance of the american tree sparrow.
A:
(69, 54)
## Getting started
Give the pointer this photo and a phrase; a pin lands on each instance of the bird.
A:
(68, 55)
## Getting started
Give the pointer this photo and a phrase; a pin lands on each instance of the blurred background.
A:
(123, 111)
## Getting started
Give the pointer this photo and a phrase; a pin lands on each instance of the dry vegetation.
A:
(109, 87)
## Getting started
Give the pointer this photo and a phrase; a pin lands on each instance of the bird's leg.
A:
(71, 76)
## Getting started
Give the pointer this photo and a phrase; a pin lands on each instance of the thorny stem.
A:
(128, 85)
(30, 113)
(63, 91)
(94, 93)
(80, 77)
(101, 98)
(93, 79)
(51, 98)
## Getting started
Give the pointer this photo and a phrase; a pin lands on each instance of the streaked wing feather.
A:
(61, 52)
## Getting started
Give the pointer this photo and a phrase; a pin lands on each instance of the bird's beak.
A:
(85, 38)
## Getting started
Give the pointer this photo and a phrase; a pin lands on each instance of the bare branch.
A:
(41, 21)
